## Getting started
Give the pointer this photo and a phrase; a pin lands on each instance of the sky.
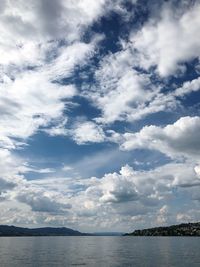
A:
(99, 113)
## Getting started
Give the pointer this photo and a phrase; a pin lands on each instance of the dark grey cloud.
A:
(39, 202)
(6, 185)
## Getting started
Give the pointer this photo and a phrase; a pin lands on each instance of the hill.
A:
(184, 229)
(6, 230)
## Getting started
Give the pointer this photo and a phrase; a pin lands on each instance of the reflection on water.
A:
(99, 251)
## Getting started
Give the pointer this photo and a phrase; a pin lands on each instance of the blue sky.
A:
(99, 113)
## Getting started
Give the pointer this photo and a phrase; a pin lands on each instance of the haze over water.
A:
(99, 251)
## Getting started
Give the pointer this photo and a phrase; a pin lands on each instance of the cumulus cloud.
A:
(161, 42)
(42, 48)
(35, 98)
(124, 186)
(197, 170)
(5, 186)
(122, 196)
(87, 132)
(178, 139)
(27, 27)
(120, 91)
(123, 93)
(41, 21)
(188, 87)
(128, 194)
(117, 188)
(41, 201)
(31, 107)
(10, 167)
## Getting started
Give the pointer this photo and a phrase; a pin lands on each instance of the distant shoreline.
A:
(184, 229)
(14, 231)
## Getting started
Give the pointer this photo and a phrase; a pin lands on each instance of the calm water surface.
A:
(99, 251)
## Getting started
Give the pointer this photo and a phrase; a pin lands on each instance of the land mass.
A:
(184, 229)
(6, 230)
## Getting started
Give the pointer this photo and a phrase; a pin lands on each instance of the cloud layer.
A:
(99, 113)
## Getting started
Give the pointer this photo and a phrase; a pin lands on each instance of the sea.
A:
(100, 251)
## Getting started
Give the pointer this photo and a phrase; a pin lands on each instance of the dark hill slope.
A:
(184, 229)
(6, 230)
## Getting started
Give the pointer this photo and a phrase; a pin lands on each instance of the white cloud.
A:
(197, 170)
(116, 188)
(87, 132)
(45, 170)
(42, 201)
(120, 92)
(27, 27)
(67, 168)
(93, 202)
(162, 41)
(10, 166)
(174, 140)
(41, 44)
(69, 57)
(33, 99)
(181, 217)
(188, 87)
(41, 21)
(130, 193)
(34, 61)
(29, 102)
(163, 215)
(128, 185)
